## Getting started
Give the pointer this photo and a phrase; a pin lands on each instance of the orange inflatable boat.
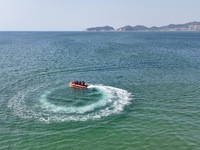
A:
(75, 85)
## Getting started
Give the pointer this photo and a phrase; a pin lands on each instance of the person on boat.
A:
(79, 82)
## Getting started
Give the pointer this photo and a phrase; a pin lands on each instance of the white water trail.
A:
(113, 101)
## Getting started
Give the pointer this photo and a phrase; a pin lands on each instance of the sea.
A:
(143, 94)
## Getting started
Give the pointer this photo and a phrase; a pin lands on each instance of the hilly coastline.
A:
(191, 26)
(105, 28)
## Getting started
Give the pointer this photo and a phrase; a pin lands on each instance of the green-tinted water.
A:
(144, 90)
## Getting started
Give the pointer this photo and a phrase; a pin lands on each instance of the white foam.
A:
(18, 102)
(51, 107)
(113, 101)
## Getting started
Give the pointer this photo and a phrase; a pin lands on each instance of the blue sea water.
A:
(144, 90)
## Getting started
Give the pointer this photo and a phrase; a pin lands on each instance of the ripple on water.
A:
(68, 104)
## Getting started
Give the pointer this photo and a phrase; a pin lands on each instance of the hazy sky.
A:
(77, 15)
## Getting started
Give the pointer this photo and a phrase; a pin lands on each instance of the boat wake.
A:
(68, 104)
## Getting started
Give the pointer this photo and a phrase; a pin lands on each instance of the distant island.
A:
(105, 28)
(191, 26)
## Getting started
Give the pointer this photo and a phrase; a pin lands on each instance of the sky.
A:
(77, 15)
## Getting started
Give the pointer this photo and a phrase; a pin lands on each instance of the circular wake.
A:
(69, 104)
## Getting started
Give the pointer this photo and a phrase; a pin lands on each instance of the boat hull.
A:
(72, 84)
